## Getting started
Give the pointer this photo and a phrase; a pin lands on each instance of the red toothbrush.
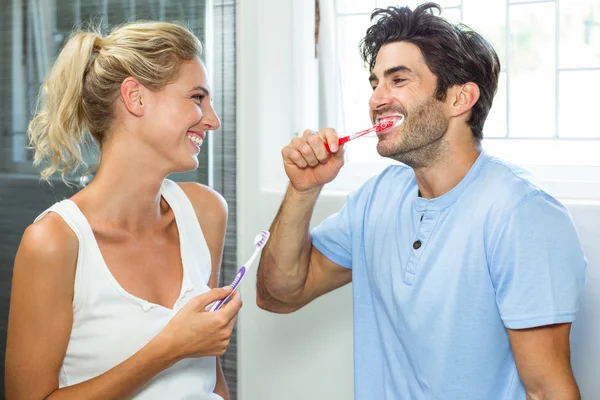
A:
(383, 125)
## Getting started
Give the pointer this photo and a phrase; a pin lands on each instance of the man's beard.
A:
(420, 143)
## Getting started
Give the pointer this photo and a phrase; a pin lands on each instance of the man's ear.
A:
(131, 95)
(464, 98)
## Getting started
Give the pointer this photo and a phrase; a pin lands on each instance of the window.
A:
(31, 36)
(544, 110)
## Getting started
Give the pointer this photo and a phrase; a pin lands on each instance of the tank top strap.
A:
(76, 221)
(71, 214)
(195, 251)
(179, 202)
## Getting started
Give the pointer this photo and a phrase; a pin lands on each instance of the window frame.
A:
(575, 179)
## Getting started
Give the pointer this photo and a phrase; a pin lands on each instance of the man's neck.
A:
(447, 172)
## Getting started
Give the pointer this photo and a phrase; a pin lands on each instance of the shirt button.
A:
(417, 245)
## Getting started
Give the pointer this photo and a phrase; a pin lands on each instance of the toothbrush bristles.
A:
(264, 236)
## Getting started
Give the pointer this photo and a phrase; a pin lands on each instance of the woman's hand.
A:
(195, 332)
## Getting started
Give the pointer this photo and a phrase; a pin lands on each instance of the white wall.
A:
(585, 336)
(308, 354)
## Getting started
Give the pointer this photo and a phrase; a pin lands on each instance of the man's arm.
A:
(292, 272)
(538, 272)
(542, 356)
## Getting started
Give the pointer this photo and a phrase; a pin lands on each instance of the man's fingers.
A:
(317, 143)
(306, 149)
(311, 149)
(331, 138)
(294, 156)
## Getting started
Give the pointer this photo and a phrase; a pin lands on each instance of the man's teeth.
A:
(196, 140)
(393, 119)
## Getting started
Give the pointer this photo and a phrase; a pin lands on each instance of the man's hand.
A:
(307, 162)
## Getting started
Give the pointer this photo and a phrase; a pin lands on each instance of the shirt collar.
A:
(447, 199)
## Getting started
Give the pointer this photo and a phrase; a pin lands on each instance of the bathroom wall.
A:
(22, 198)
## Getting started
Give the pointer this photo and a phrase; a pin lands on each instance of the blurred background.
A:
(279, 67)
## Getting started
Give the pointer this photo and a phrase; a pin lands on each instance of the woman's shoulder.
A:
(211, 211)
(48, 248)
(51, 234)
(204, 198)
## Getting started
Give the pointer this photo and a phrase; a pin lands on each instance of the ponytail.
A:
(59, 128)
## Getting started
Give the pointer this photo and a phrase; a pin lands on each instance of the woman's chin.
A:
(190, 165)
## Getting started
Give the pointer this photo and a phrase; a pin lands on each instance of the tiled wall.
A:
(224, 154)
(21, 200)
(5, 85)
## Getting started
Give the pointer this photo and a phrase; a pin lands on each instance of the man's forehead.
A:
(396, 54)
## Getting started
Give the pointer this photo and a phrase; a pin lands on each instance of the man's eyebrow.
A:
(391, 71)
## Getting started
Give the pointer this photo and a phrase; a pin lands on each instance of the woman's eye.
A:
(199, 97)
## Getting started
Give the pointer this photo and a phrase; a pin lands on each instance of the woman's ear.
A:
(131, 95)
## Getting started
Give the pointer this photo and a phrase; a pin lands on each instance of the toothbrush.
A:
(260, 240)
(376, 128)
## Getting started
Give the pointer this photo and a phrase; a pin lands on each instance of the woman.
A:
(110, 287)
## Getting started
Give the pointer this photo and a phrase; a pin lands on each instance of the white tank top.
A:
(110, 324)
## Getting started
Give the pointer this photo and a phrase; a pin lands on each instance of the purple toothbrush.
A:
(260, 240)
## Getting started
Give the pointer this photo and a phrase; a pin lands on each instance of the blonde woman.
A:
(110, 287)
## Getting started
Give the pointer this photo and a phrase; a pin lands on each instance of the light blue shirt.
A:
(437, 282)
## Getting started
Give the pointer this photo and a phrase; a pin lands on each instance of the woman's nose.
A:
(211, 120)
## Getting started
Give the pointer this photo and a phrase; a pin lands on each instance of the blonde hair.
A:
(77, 96)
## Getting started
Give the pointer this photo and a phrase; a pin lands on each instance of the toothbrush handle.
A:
(234, 286)
(352, 136)
(236, 281)
(341, 141)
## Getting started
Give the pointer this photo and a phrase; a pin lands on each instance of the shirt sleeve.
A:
(333, 237)
(537, 266)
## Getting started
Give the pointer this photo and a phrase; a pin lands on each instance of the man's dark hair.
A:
(454, 53)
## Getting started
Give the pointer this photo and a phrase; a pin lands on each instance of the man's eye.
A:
(199, 97)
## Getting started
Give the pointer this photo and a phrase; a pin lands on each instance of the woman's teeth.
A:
(196, 140)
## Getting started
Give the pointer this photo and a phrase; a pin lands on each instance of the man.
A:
(466, 275)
